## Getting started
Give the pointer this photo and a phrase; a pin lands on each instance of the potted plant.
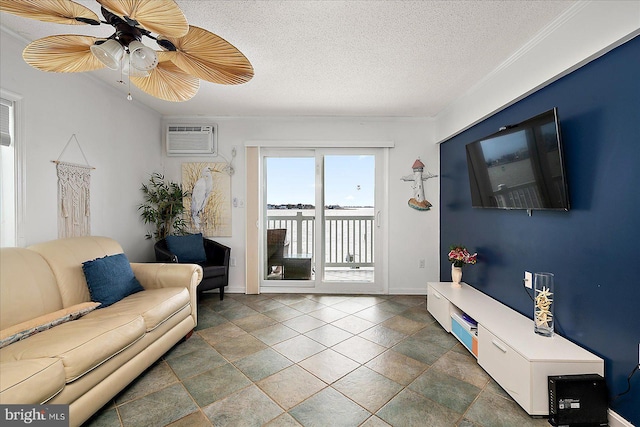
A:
(162, 207)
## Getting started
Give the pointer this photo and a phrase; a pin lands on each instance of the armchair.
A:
(215, 270)
(275, 251)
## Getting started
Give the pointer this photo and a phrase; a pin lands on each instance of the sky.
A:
(497, 147)
(349, 180)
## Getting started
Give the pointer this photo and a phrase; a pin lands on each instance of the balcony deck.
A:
(349, 242)
(349, 274)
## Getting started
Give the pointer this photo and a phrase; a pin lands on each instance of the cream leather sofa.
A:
(87, 361)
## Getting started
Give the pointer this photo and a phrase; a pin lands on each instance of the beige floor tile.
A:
(386, 374)
(353, 324)
(367, 388)
(291, 386)
(255, 322)
(383, 335)
(464, 367)
(359, 349)
(304, 323)
(404, 325)
(221, 333)
(328, 335)
(299, 348)
(329, 365)
(397, 367)
(239, 347)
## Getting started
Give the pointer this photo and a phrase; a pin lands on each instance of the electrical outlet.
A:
(528, 279)
(422, 263)
(232, 261)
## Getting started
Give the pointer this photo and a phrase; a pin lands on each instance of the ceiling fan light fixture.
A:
(142, 57)
(130, 71)
(110, 53)
(186, 55)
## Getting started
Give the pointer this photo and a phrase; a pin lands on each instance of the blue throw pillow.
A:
(189, 248)
(110, 279)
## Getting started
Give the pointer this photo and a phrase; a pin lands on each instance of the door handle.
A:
(378, 219)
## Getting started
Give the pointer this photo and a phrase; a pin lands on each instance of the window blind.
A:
(6, 110)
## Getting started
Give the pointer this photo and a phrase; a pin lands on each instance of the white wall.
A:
(122, 140)
(413, 235)
(586, 31)
(119, 138)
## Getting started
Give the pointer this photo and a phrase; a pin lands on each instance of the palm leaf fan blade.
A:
(57, 11)
(168, 82)
(62, 54)
(161, 17)
(210, 57)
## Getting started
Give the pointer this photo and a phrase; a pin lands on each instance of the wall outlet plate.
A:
(528, 279)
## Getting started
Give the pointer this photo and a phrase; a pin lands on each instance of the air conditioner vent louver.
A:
(189, 128)
(191, 140)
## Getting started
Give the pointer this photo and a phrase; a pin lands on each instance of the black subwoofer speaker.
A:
(577, 400)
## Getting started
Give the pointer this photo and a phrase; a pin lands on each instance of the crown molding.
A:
(563, 46)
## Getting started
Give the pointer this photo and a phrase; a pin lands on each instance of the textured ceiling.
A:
(343, 58)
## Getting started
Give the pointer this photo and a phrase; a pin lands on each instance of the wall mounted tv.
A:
(520, 166)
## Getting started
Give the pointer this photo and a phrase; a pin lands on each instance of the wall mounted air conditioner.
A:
(191, 140)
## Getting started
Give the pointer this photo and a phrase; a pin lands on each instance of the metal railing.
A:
(348, 239)
(530, 195)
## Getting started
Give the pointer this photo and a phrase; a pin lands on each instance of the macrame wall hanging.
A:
(74, 195)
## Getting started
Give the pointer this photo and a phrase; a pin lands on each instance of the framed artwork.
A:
(207, 200)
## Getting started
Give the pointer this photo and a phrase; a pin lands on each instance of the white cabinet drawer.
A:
(506, 366)
(438, 306)
(507, 348)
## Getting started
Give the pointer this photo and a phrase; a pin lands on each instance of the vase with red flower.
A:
(459, 256)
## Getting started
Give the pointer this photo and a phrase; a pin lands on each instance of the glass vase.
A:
(543, 304)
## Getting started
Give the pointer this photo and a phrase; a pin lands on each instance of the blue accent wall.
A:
(594, 249)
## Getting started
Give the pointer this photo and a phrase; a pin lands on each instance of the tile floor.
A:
(315, 360)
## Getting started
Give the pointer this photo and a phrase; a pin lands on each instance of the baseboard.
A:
(404, 291)
(408, 291)
(616, 420)
(235, 290)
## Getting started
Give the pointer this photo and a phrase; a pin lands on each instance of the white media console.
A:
(506, 346)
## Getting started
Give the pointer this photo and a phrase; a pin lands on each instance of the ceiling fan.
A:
(187, 53)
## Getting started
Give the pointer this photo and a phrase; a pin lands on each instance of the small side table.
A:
(297, 267)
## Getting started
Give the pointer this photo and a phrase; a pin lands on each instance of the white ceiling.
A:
(342, 58)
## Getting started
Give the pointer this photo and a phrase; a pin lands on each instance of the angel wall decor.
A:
(418, 200)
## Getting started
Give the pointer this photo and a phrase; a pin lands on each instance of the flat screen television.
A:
(520, 166)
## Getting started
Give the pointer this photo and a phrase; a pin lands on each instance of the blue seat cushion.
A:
(110, 279)
(189, 248)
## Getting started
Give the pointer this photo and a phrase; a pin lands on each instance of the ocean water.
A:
(328, 212)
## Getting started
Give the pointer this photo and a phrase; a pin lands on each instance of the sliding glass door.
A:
(289, 203)
(349, 218)
(322, 217)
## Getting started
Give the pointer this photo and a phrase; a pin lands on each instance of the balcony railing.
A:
(348, 238)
